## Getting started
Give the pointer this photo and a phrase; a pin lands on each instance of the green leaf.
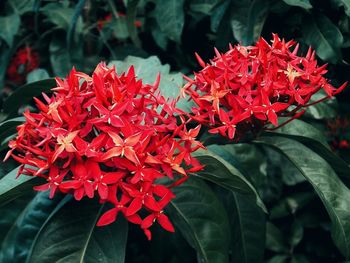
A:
(314, 139)
(324, 110)
(37, 74)
(333, 193)
(75, 24)
(247, 19)
(296, 233)
(12, 187)
(9, 214)
(299, 259)
(274, 239)
(278, 259)
(59, 57)
(345, 4)
(9, 27)
(202, 220)
(204, 6)
(61, 16)
(324, 36)
(217, 15)
(170, 18)
(25, 94)
(21, 235)
(71, 235)
(9, 127)
(248, 229)
(22, 6)
(301, 3)
(217, 170)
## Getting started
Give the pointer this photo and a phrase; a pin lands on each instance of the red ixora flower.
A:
(247, 88)
(24, 61)
(112, 136)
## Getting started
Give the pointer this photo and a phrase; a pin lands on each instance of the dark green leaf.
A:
(12, 187)
(9, 26)
(222, 173)
(9, 127)
(301, 3)
(170, 18)
(217, 15)
(314, 139)
(71, 236)
(25, 94)
(59, 57)
(202, 220)
(74, 21)
(9, 213)
(22, 6)
(299, 259)
(324, 36)
(247, 19)
(278, 259)
(274, 239)
(290, 205)
(296, 233)
(61, 16)
(24, 228)
(332, 192)
(204, 6)
(248, 229)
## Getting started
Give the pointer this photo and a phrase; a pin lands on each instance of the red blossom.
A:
(247, 88)
(112, 135)
(24, 61)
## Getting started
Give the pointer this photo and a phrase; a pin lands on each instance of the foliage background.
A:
(69, 33)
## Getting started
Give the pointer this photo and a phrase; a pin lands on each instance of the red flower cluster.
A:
(21, 64)
(247, 87)
(112, 135)
(108, 18)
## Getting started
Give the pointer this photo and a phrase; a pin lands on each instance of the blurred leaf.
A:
(275, 239)
(170, 17)
(248, 229)
(202, 220)
(299, 259)
(37, 74)
(22, 6)
(75, 21)
(345, 4)
(290, 204)
(25, 94)
(12, 187)
(9, 27)
(159, 37)
(59, 57)
(301, 3)
(24, 228)
(278, 259)
(229, 177)
(247, 19)
(62, 16)
(217, 15)
(204, 6)
(332, 192)
(131, 11)
(323, 36)
(71, 235)
(296, 233)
